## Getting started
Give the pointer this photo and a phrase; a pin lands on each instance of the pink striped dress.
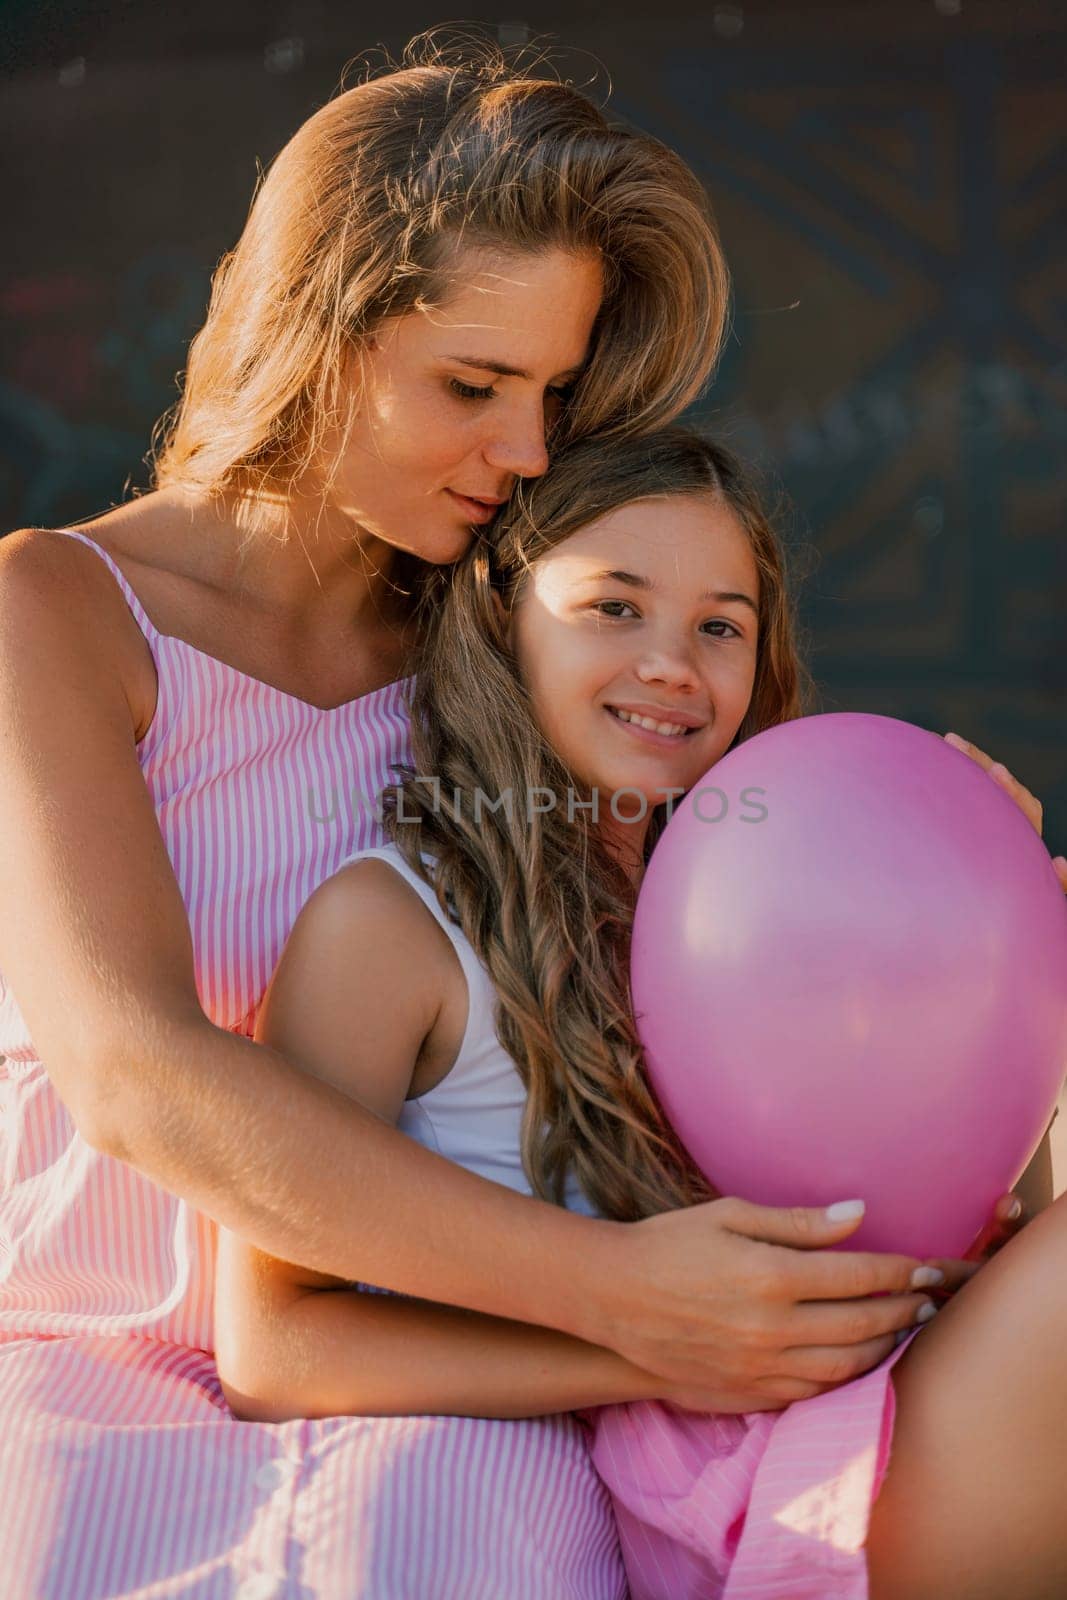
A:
(122, 1471)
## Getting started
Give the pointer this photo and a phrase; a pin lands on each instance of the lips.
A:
(648, 736)
(474, 509)
(662, 715)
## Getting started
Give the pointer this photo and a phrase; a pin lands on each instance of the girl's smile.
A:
(656, 722)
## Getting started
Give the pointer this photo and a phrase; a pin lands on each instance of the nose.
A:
(671, 662)
(517, 443)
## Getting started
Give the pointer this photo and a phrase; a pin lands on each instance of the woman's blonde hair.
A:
(363, 216)
(544, 906)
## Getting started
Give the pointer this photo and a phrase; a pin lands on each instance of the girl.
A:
(626, 626)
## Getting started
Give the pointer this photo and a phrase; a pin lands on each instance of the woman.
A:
(444, 267)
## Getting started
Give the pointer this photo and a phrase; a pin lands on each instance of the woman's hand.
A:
(1009, 1215)
(738, 1307)
(1028, 804)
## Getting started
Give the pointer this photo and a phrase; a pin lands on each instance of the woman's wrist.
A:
(592, 1280)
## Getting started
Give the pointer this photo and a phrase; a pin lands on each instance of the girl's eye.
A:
(470, 391)
(615, 609)
(564, 393)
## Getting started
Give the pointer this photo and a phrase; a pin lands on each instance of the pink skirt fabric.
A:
(126, 1477)
(766, 1505)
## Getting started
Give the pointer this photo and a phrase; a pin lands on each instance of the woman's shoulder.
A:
(136, 531)
(151, 539)
(57, 592)
(138, 582)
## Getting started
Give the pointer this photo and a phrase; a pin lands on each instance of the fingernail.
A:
(1015, 1210)
(954, 738)
(845, 1210)
(926, 1277)
(925, 1312)
(999, 770)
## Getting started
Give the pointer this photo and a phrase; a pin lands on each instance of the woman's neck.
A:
(301, 560)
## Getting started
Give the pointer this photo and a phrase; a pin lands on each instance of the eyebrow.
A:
(634, 581)
(503, 370)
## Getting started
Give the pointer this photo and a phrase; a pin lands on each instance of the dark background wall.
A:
(890, 185)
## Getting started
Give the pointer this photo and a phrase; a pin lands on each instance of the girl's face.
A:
(648, 613)
(456, 398)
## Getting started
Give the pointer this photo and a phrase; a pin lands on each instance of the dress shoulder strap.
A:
(147, 627)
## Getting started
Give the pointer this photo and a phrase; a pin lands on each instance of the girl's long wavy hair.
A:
(365, 214)
(542, 903)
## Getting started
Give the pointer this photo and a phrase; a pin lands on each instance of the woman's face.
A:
(649, 612)
(456, 398)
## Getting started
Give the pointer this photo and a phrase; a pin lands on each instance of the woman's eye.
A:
(734, 632)
(564, 393)
(470, 391)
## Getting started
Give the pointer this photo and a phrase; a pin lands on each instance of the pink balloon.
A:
(850, 978)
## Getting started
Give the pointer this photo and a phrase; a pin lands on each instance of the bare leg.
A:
(974, 1504)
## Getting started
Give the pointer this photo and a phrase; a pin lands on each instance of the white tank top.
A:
(474, 1115)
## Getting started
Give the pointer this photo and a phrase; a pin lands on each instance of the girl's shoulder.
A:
(372, 887)
(374, 904)
(367, 964)
(379, 882)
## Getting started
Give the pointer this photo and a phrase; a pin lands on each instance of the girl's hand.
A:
(1028, 804)
(737, 1307)
(1009, 1215)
